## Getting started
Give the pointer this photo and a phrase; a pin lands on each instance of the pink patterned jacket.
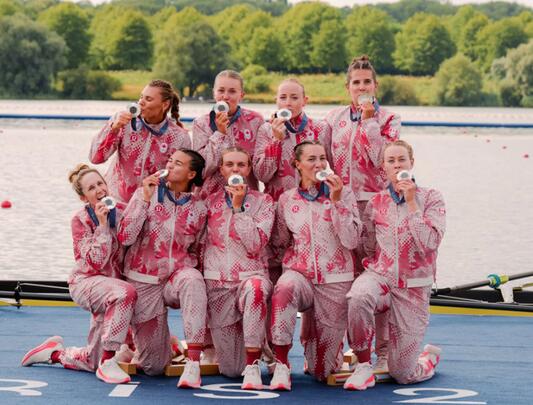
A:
(402, 246)
(210, 144)
(97, 251)
(163, 236)
(235, 248)
(139, 153)
(318, 236)
(273, 158)
(356, 148)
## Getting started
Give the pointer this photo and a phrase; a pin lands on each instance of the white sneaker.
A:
(43, 352)
(124, 354)
(430, 355)
(362, 378)
(252, 378)
(209, 356)
(110, 372)
(191, 375)
(281, 380)
(381, 366)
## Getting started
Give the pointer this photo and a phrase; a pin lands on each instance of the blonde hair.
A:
(401, 143)
(235, 149)
(75, 176)
(360, 62)
(295, 81)
(232, 74)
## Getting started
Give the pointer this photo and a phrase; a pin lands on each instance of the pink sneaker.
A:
(43, 352)
(191, 375)
(252, 377)
(361, 379)
(430, 357)
(281, 380)
(110, 372)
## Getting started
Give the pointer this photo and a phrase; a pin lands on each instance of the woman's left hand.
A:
(367, 110)
(237, 194)
(408, 189)
(335, 185)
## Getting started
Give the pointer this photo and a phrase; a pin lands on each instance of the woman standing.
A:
(403, 227)
(142, 144)
(318, 225)
(239, 225)
(214, 132)
(95, 285)
(274, 150)
(360, 131)
(162, 224)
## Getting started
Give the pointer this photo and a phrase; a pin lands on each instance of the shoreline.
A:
(415, 115)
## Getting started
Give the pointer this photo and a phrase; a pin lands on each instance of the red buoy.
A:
(487, 140)
(504, 147)
(6, 204)
(526, 155)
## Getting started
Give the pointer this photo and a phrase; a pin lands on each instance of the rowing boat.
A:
(455, 300)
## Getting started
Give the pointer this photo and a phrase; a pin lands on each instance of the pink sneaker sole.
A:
(251, 387)
(280, 387)
(186, 384)
(368, 383)
(109, 380)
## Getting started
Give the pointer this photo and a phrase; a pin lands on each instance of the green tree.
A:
(134, 48)
(458, 82)
(71, 22)
(190, 54)
(122, 39)
(467, 41)
(82, 84)
(297, 27)
(266, 49)
(370, 31)
(405, 9)
(394, 90)
(422, 45)
(256, 79)
(457, 23)
(9, 7)
(495, 39)
(30, 57)
(515, 72)
(497, 10)
(326, 54)
(237, 26)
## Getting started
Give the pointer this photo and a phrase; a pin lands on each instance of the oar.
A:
(493, 280)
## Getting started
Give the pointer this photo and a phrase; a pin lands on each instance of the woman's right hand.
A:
(101, 212)
(121, 120)
(278, 128)
(222, 122)
(149, 185)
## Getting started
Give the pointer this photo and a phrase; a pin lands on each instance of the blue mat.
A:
(486, 360)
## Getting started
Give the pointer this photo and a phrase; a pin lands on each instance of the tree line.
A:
(46, 42)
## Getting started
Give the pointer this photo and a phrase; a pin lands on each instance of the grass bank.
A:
(320, 88)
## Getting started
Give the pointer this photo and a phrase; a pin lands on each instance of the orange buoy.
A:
(487, 140)
(6, 204)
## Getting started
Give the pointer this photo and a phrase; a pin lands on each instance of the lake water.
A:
(485, 178)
